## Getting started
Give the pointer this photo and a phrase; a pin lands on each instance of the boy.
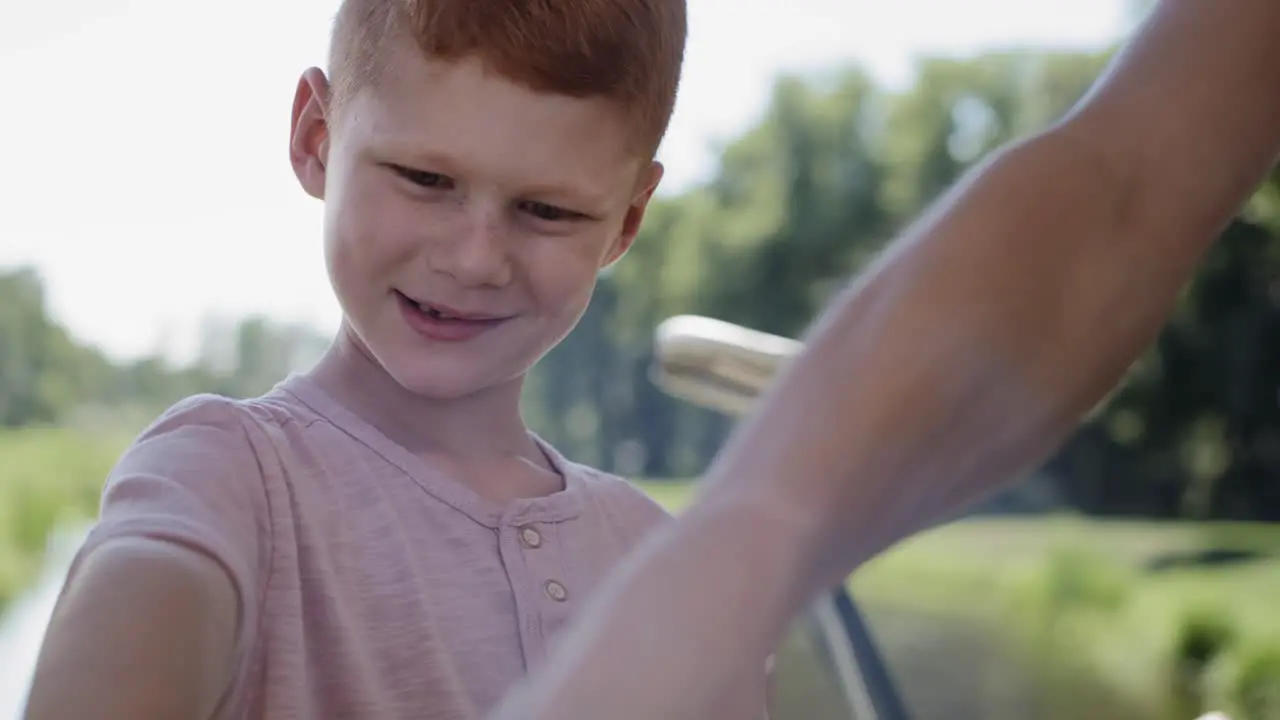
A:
(382, 537)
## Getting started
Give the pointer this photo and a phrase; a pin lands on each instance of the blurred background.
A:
(153, 244)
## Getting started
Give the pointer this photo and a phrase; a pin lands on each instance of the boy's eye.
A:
(421, 178)
(543, 211)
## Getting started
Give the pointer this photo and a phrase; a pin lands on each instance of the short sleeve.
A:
(193, 479)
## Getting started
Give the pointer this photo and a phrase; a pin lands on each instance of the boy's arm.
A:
(145, 630)
(956, 363)
(160, 602)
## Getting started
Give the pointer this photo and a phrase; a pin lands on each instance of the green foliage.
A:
(1246, 684)
(1076, 618)
(1085, 580)
(47, 377)
(1095, 629)
(48, 476)
(1201, 639)
(42, 370)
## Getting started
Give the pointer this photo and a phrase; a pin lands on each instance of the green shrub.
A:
(1090, 630)
(1201, 639)
(1246, 684)
(1084, 579)
(47, 476)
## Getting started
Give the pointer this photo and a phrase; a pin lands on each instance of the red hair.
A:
(628, 51)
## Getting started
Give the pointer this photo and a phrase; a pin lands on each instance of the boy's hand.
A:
(144, 630)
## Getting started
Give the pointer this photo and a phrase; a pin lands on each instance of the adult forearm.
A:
(961, 359)
(964, 356)
(979, 340)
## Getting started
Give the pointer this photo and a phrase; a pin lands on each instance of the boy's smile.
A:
(466, 216)
(445, 324)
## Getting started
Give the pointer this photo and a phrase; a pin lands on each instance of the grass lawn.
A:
(1084, 602)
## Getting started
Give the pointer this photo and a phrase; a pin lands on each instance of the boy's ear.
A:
(309, 135)
(645, 187)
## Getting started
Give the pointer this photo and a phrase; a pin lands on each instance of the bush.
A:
(48, 476)
(1246, 684)
(1204, 636)
(1065, 618)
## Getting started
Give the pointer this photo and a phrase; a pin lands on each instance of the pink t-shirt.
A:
(371, 585)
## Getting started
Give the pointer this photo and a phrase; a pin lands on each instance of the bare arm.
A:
(144, 631)
(959, 361)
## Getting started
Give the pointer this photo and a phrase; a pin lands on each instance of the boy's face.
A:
(450, 191)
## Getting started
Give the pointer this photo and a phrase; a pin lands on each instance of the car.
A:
(830, 667)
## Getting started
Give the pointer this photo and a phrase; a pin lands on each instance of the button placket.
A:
(525, 589)
(553, 587)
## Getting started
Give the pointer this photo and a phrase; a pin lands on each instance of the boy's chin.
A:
(440, 382)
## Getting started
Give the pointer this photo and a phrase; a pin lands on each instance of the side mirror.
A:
(716, 364)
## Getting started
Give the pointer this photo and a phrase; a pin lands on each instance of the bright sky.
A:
(143, 164)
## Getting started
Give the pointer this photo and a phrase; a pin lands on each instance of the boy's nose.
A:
(474, 254)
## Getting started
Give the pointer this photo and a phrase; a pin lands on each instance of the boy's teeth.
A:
(434, 313)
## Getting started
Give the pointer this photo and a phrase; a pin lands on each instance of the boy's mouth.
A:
(443, 323)
(444, 312)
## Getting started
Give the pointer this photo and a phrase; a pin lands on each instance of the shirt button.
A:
(530, 537)
(556, 591)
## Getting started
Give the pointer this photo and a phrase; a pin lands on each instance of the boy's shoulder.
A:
(199, 443)
(221, 420)
(206, 431)
(198, 420)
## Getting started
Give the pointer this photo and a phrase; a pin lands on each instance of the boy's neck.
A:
(483, 425)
